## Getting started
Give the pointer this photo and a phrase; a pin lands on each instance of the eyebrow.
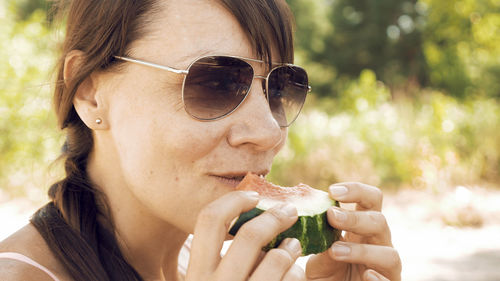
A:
(191, 57)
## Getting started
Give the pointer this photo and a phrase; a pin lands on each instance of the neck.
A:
(150, 245)
(152, 248)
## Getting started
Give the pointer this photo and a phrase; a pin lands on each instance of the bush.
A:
(432, 141)
(29, 140)
(425, 139)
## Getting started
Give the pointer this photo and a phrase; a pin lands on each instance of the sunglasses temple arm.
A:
(154, 65)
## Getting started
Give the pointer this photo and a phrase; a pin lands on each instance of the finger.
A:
(372, 275)
(296, 273)
(322, 265)
(366, 196)
(278, 261)
(371, 224)
(383, 259)
(211, 228)
(259, 259)
(252, 236)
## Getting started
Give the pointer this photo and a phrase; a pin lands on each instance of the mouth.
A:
(233, 179)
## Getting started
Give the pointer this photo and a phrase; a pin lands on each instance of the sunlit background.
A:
(405, 97)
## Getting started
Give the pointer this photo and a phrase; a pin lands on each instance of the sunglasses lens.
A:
(288, 87)
(215, 86)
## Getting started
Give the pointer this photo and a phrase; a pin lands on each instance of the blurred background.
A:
(405, 97)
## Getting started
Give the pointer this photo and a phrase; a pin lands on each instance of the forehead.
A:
(187, 29)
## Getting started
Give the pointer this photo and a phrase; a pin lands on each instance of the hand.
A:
(365, 252)
(244, 259)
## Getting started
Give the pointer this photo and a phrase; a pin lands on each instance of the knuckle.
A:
(353, 219)
(276, 215)
(279, 258)
(208, 214)
(241, 195)
(264, 227)
(379, 196)
(394, 260)
(378, 220)
(250, 232)
(360, 250)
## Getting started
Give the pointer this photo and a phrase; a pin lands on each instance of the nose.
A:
(254, 124)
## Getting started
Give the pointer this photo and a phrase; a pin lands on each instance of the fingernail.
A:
(338, 190)
(289, 210)
(372, 277)
(340, 250)
(251, 194)
(293, 245)
(339, 215)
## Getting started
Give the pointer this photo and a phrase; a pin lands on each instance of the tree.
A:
(431, 43)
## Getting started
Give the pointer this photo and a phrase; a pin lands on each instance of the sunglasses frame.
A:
(186, 71)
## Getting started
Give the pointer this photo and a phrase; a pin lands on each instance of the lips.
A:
(237, 178)
(232, 182)
(234, 178)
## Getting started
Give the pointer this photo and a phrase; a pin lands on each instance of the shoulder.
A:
(28, 242)
(16, 271)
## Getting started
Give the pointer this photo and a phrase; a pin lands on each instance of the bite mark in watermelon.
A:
(311, 229)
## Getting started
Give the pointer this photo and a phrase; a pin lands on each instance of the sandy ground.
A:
(431, 249)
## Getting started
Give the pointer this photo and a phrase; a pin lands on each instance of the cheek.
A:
(139, 128)
(162, 154)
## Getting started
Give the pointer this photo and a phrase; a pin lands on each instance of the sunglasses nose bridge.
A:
(264, 82)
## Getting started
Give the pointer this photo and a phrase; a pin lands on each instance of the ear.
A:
(87, 101)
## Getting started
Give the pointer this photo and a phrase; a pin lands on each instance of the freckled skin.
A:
(153, 161)
(156, 165)
(162, 158)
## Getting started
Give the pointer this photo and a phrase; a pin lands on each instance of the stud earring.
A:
(98, 121)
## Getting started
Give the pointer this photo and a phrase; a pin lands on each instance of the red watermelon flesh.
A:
(252, 182)
(311, 229)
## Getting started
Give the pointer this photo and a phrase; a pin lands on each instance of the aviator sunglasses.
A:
(215, 86)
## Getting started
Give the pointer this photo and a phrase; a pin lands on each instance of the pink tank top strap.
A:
(25, 259)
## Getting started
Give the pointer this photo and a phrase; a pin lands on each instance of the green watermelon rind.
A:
(315, 234)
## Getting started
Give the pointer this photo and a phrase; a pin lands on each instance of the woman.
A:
(162, 124)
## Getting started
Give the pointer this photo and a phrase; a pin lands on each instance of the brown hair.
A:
(73, 225)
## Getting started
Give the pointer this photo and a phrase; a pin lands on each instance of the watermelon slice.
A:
(311, 229)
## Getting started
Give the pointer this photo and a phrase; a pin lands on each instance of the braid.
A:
(79, 233)
(69, 223)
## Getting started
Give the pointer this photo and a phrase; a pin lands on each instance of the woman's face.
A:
(171, 163)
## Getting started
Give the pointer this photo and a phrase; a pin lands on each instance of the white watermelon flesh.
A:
(311, 229)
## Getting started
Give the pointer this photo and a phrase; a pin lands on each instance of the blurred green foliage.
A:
(432, 141)
(453, 46)
(29, 140)
(462, 46)
(406, 94)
